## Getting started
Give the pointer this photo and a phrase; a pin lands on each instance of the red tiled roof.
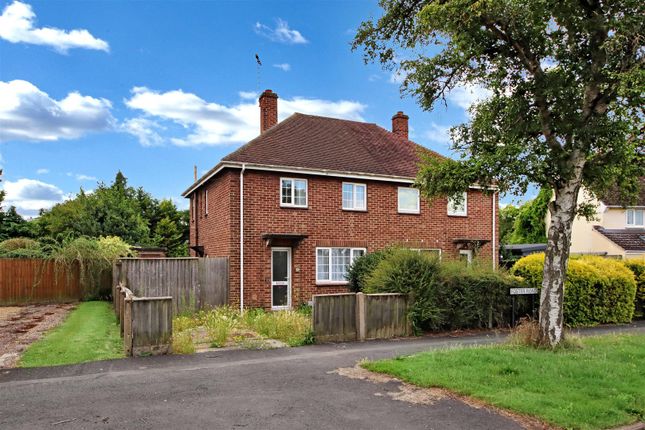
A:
(315, 142)
(630, 239)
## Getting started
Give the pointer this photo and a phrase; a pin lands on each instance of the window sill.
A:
(293, 207)
(409, 213)
(459, 215)
(331, 283)
(354, 210)
(636, 226)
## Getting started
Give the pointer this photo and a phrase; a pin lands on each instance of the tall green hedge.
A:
(638, 268)
(444, 295)
(597, 291)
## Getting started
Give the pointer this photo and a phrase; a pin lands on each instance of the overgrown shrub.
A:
(597, 290)
(21, 247)
(638, 269)
(363, 266)
(95, 258)
(444, 295)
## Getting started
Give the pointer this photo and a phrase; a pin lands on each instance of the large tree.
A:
(565, 110)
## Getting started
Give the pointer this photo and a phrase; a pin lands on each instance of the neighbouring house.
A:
(316, 194)
(615, 231)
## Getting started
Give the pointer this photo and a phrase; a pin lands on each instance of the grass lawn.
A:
(599, 386)
(89, 333)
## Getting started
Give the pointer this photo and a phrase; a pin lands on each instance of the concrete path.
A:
(292, 388)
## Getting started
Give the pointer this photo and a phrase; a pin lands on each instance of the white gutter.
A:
(242, 238)
(494, 232)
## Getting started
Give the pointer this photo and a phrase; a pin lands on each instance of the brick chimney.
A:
(400, 124)
(268, 110)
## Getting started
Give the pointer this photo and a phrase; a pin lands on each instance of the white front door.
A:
(280, 278)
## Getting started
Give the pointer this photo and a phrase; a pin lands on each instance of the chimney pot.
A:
(268, 110)
(400, 124)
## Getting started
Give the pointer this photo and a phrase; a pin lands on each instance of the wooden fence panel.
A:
(334, 317)
(37, 281)
(193, 283)
(386, 316)
(213, 282)
(151, 325)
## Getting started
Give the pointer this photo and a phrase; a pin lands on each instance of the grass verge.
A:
(597, 386)
(89, 333)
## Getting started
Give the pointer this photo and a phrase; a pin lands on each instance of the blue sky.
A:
(152, 88)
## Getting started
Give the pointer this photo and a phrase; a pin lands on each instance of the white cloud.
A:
(31, 195)
(248, 95)
(209, 123)
(285, 67)
(17, 25)
(42, 171)
(145, 130)
(281, 33)
(27, 113)
(82, 177)
(397, 77)
(465, 95)
(439, 133)
(373, 77)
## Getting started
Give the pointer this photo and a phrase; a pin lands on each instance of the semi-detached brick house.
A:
(317, 193)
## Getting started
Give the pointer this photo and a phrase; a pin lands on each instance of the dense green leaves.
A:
(565, 79)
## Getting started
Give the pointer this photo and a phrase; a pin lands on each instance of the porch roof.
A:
(294, 238)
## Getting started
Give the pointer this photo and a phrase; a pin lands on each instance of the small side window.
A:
(408, 200)
(458, 205)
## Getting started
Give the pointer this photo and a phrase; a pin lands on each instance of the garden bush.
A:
(363, 267)
(444, 295)
(597, 290)
(21, 247)
(638, 269)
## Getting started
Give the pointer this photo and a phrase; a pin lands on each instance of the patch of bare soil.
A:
(427, 396)
(20, 326)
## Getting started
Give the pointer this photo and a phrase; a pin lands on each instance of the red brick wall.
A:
(325, 224)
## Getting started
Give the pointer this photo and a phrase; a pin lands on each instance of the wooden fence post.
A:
(127, 326)
(361, 329)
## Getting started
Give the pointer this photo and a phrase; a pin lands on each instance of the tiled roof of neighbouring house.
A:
(322, 143)
(630, 239)
(612, 197)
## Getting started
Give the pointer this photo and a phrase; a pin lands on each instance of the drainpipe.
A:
(242, 237)
(494, 231)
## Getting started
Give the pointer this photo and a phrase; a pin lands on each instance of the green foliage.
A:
(507, 216)
(638, 269)
(529, 225)
(95, 258)
(446, 295)
(13, 225)
(119, 210)
(363, 266)
(597, 290)
(89, 333)
(598, 386)
(21, 247)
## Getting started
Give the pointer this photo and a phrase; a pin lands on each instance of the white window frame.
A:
(354, 207)
(293, 193)
(351, 261)
(452, 212)
(206, 202)
(468, 253)
(633, 211)
(408, 211)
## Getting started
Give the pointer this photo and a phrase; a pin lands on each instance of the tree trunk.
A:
(563, 211)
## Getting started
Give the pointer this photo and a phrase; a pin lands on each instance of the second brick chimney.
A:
(268, 110)
(400, 124)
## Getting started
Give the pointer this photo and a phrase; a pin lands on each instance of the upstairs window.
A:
(635, 218)
(408, 200)
(458, 205)
(332, 264)
(293, 192)
(354, 196)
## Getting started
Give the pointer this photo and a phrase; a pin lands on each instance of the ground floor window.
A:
(435, 252)
(466, 255)
(332, 264)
